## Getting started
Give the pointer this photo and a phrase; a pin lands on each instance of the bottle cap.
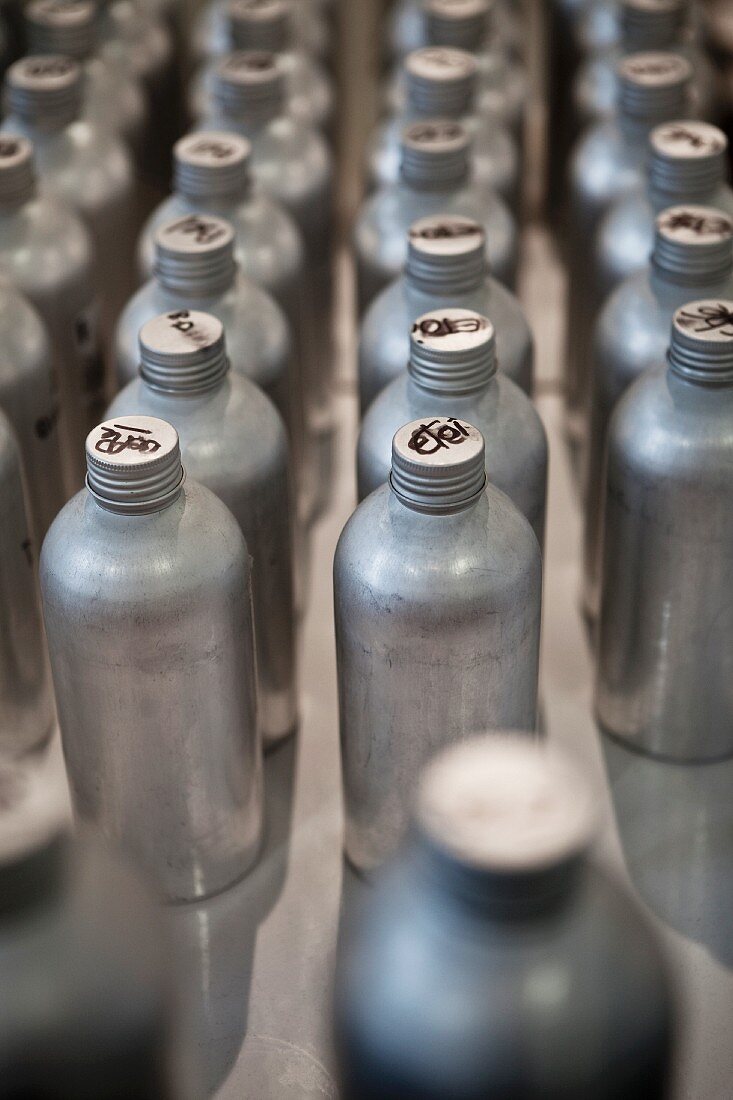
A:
(46, 90)
(693, 244)
(688, 158)
(701, 348)
(68, 28)
(446, 253)
(183, 352)
(435, 154)
(440, 81)
(651, 24)
(462, 23)
(250, 85)
(452, 351)
(17, 170)
(134, 465)
(259, 24)
(438, 464)
(194, 254)
(211, 165)
(503, 803)
(653, 85)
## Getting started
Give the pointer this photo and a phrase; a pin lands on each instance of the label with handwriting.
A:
(446, 235)
(710, 320)
(437, 134)
(655, 69)
(438, 441)
(213, 149)
(440, 63)
(181, 332)
(688, 140)
(195, 233)
(132, 441)
(250, 66)
(694, 224)
(451, 330)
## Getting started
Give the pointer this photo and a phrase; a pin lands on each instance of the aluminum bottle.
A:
(440, 82)
(195, 270)
(29, 399)
(434, 179)
(232, 441)
(494, 892)
(437, 590)
(452, 371)
(87, 166)
(446, 266)
(146, 593)
(87, 997)
(268, 25)
(607, 162)
(26, 704)
(665, 662)
(473, 26)
(46, 252)
(210, 35)
(693, 255)
(687, 165)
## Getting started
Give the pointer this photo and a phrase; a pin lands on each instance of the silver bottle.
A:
(87, 1000)
(29, 399)
(195, 270)
(687, 165)
(437, 589)
(434, 179)
(665, 662)
(210, 35)
(452, 371)
(87, 166)
(607, 162)
(446, 266)
(26, 703)
(440, 82)
(693, 255)
(232, 441)
(493, 897)
(268, 25)
(147, 602)
(46, 252)
(473, 26)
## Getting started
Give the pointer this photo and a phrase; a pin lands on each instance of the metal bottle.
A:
(437, 590)
(440, 82)
(452, 371)
(493, 901)
(28, 397)
(87, 1001)
(232, 441)
(86, 165)
(46, 252)
(434, 179)
(687, 165)
(268, 25)
(210, 35)
(146, 592)
(665, 662)
(446, 266)
(195, 270)
(607, 162)
(693, 255)
(26, 702)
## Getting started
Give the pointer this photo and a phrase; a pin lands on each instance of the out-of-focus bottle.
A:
(437, 591)
(26, 702)
(665, 661)
(232, 441)
(29, 399)
(440, 82)
(452, 371)
(146, 589)
(84, 164)
(495, 915)
(87, 1001)
(268, 25)
(693, 255)
(446, 266)
(434, 179)
(195, 270)
(211, 37)
(493, 25)
(47, 253)
(687, 165)
(609, 161)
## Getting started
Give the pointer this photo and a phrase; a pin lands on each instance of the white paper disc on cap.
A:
(182, 332)
(688, 139)
(131, 442)
(195, 233)
(436, 135)
(689, 224)
(438, 441)
(446, 235)
(47, 71)
(655, 69)
(437, 63)
(213, 148)
(449, 330)
(709, 320)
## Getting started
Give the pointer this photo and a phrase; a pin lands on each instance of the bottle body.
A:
(427, 651)
(149, 625)
(26, 701)
(234, 443)
(664, 668)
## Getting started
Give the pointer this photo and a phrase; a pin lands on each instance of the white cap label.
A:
(709, 319)
(694, 224)
(195, 233)
(452, 330)
(688, 139)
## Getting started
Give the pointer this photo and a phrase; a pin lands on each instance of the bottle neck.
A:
(457, 373)
(470, 33)
(692, 265)
(195, 275)
(247, 32)
(70, 33)
(249, 90)
(703, 361)
(650, 29)
(429, 170)
(445, 274)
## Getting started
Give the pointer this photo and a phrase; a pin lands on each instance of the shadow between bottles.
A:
(675, 823)
(215, 939)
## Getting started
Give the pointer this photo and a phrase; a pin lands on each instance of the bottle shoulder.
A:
(25, 342)
(44, 240)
